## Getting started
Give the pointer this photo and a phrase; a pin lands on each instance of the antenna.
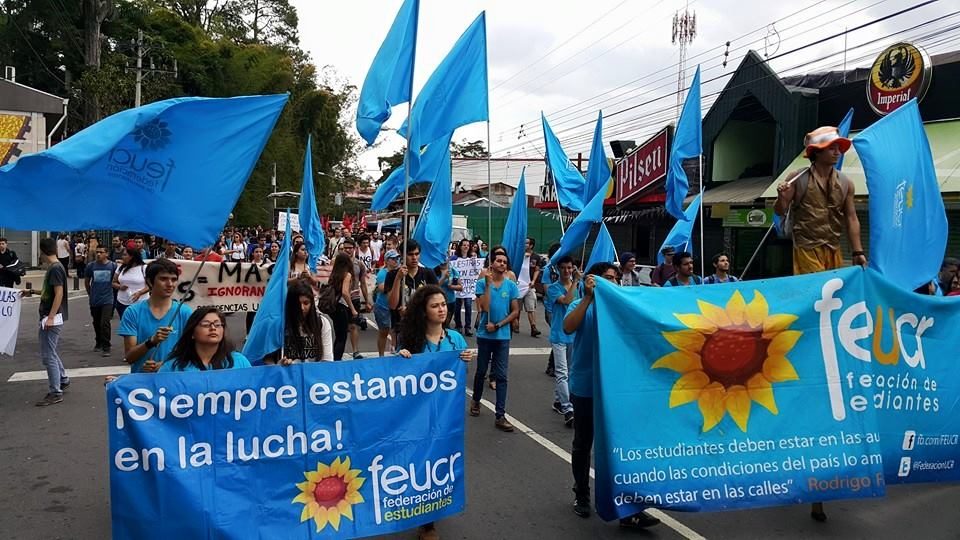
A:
(684, 31)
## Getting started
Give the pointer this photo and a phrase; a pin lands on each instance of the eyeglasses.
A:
(210, 325)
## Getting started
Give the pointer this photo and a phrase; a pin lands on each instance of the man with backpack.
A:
(817, 205)
(683, 263)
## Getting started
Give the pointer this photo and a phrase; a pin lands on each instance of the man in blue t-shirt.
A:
(381, 301)
(683, 262)
(560, 294)
(150, 329)
(98, 280)
(498, 307)
(581, 320)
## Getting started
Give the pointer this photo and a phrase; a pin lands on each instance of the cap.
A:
(667, 250)
(391, 254)
(823, 137)
(626, 256)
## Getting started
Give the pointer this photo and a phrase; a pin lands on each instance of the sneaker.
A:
(639, 521)
(474, 408)
(468, 333)
(557, 408)
(97, 348)
(105, 353)
(534, 332)
(357, 356)
(50, 399)
(581, 507)
(568, 419)
(549, 372)
(64, 384)
(503, 424)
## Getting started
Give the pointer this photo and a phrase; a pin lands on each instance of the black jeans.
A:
(582, 445)
(341, 329)
(101, 324)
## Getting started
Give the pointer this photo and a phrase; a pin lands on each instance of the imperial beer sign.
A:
(902, 72)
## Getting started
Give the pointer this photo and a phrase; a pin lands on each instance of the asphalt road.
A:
(54, 480)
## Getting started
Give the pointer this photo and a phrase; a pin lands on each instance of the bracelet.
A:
(149, 343)
(859, 254)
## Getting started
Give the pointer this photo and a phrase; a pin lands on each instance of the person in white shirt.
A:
(376, 244)
(130, 281)
(528, 274)
(238, 249)
(365, 253)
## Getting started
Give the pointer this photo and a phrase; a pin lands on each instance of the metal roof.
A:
(743, 191)
(21, 98)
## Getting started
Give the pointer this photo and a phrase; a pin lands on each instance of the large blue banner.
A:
(344, 449)
(771, 392)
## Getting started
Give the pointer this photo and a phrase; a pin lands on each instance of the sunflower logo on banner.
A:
(329, 493)
(729, 357)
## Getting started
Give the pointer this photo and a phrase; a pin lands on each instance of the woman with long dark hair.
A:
(343, 310)
(299, 263)
(464, 303)
(130, 281)
(203, 344)
(308, 334)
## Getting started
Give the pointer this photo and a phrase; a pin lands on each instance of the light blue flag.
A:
(515, 231)
(578, 231)
(603, 248)
(567, 179)
(145, 169)
(455, 95)
(434, 159)
(266, 334)
(906, 209)
(687, 143)
(844, 129)
(680, 236)
(598, 171)
(435, 224)
(310, 225)
(389, 81)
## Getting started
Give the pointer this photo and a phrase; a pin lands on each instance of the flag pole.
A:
(756, 251)
(405, 228)
(703, 267)
(560, 214)
(489, 190)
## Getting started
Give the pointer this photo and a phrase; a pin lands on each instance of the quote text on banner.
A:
(339, 449)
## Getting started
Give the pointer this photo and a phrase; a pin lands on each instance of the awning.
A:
(744, 191)
(944, 140)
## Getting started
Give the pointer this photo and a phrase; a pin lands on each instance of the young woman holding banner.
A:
(308, 334)
(203, 345)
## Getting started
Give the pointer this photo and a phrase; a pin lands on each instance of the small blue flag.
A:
(908, 224)
(433, 160)
(680, 236)
(578, 231)
(603, 248)
(687, 143)
(844, 129)
(145, 169)
(455, 94)
(567, 179)
(777, 224)
(435, 224)
(389, 81)
(266, 334)
(598, 171)
(310, 225)
(515, 231)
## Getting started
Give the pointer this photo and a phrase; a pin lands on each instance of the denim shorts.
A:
(382, 316)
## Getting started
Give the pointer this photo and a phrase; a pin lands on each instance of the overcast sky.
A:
(572, 58)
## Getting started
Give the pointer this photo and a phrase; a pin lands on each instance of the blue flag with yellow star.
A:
(908, 224)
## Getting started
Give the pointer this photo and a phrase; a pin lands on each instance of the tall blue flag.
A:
(515, 231)
(680, 236)
(310, 225)
(907, 217)
(578, 231)
(687, 143)
(455, 94)
(844, 129)
(434, 159)
(389, 81)
(435, 224)
(144, 169)
(266, 334)
(598, 171)
(603, 248)
(567, 179)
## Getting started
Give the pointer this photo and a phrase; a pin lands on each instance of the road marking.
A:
(664, 518)
(22, 376)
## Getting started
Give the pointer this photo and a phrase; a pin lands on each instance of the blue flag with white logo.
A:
(455, 94)
(515, 230)
(434, 158)
(567, 179)
(603, 248)
(598, 170)
(266, 334)
(844, 130)
(389, 81)
(680, 237)
(435, 223)
(687, 143)
(145, 169)
(907, 217)
(310, 225)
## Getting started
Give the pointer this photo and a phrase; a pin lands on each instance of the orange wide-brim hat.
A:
(824, 137)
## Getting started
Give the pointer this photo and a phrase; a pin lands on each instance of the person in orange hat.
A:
(817, 203)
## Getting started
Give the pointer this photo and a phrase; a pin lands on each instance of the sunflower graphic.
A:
(728, 357)
(330, 493)
(153, 135)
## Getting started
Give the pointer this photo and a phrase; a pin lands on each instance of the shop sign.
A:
(643, 167)
(749, 217)
(902, 72)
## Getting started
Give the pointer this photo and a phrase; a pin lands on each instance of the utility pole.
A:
(684, 30)
(142, 49)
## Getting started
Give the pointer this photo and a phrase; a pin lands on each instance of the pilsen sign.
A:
(902, 72)
(643, 167)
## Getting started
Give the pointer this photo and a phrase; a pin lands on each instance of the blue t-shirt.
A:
(500, 298)
(101, 282)
(694, 280)
(451, 341)
(453, 278)
(381, 298)
(580, 357)
(555, 291)
(239, 361)
(139, 322)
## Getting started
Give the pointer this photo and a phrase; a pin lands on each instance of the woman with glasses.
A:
(203, 345)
